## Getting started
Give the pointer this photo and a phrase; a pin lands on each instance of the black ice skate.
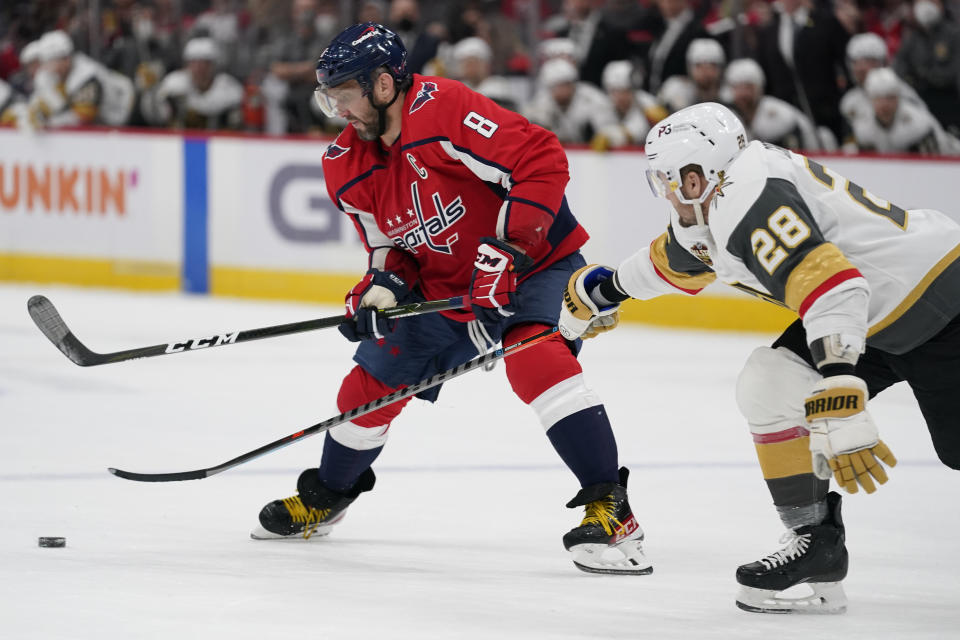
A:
(815, 555)
(609, 540)
(313, 512)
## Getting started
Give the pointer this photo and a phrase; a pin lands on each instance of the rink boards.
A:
(250, 217)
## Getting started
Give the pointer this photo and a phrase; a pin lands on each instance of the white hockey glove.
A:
(581, 317)
(844, 441)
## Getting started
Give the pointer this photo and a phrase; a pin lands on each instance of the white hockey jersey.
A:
(789, 230)
(914, 130)
(90, 93)
(177, 102)
(782, 124)
(855, 103)
(589, 112)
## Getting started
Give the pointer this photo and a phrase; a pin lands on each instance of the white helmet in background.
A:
(618, 74)
(867, 45)
(55, 45)
(882, 82)
(703, 50)
(30, 53)
(745, 71)
(706, 134)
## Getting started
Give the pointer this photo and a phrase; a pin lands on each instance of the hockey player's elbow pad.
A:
(844, 441)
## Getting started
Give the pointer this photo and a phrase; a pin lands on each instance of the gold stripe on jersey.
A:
(785, 459)
(818, 266)
(917, 292)
(86, 111)
(689, 282)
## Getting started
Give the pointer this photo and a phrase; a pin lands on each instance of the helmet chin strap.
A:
(698, 211)
(382, 110)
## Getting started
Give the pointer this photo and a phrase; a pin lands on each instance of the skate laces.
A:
(311, 518)
(796, 546)
(601, 512)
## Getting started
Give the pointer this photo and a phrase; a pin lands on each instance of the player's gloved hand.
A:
(493, 287)
(377, 290)
(844, 441)
(581, 317)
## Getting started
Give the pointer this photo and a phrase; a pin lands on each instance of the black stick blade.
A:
(159, 477)
(48, 320)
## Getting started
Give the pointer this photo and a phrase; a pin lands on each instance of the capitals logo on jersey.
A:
(334, 151)
(417, 229)
(424, 95)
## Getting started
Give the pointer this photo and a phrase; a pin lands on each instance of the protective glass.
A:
(335, 100)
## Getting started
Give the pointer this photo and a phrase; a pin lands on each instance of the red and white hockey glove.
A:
(377, 290)
(493, 287)
(844, 440)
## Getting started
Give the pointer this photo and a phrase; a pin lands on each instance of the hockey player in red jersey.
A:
(453, 195)
(877, 290)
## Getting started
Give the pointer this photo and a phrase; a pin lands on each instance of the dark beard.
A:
(369, 131)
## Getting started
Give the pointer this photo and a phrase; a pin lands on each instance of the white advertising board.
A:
(269, 209)
(88, 194)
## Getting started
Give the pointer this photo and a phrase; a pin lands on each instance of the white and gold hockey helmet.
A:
(707, 134)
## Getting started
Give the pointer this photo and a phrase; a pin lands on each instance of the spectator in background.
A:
(220, 23)
(197, 96)
(71, 89)
(136, 48)
(484, 19)
(633, 121)
(668, 54)
(577, 22)
(575, 111)
(472, 66)
(802, 52)
(765, 117)
(22, 80)
(420, 40)
(896, 126)
(288, 86)
(865, 52)
(372, 11)
(705, 61)
(558, 48)
(9, 98)
(929, 59)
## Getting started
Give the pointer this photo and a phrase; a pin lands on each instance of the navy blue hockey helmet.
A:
(359, 51)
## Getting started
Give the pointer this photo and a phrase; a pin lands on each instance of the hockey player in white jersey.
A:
(197, 96)
(72, 89)
(767, 118)
(866, 52)
(704, 79)
(877, 291)
(894, 125)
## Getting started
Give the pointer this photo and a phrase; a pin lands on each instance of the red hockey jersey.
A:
(463, 168)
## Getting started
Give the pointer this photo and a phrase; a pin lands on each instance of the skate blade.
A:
(262, 534)
(600, 558)
(827, 598)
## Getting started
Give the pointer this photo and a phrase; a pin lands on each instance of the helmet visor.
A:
(660, 185)
(334, 101)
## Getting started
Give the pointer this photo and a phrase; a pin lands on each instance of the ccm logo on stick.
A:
(200, 343)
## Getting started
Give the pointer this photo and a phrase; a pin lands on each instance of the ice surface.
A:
(460, 538)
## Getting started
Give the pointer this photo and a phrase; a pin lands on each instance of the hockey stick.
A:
(320, 427)
(48, 320)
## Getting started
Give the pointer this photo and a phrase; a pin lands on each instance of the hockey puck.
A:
(52, 542)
